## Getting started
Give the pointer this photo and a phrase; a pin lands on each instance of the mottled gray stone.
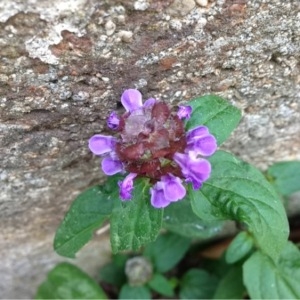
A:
(245, 51)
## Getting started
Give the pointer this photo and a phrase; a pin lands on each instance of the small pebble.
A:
(203, 3)
(121, 19)
(180, 7)
(110, 27)
(81, 96)
(125, 36)
(175, 24)
(178, 93)
(64, 95)
(141, 5)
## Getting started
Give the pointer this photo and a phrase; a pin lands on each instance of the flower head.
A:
(151, 142)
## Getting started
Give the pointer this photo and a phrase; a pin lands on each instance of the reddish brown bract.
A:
(149, 148)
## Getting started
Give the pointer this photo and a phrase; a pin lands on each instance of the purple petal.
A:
(173, 188)
(150, 102)
(195, 170)
(100, 144)
(200, 141)
(197, 132)
(204, 146)
(126, 186)
(113, 121)
(158, 199)
(111, 166)
(184, 112)
(131, 100)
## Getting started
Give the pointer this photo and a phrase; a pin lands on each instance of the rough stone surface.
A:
(64, 65)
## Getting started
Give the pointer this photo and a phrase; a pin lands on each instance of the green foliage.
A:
(66, 281)
(162, 285)
(134, 223)
(197, 284)
(241, 245)
(266, 279)
(87, 213)
(216, 113)
(238, 191)
(134, 292)
(285, 176)
(231, 285)
(235, 191)
(114, 272)
(167, 251)
(180, 218)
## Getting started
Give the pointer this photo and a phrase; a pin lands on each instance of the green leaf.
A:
(238, 191)
(160, 284)
(197, 284)
(167, 251)
(114, 272)
(180, 218)
(134, 223)
(134, 292)
(66, 281)
(217, 114)
(265, 279)
(87, 213)
(231, 285)
(285, 176)
(241, 245)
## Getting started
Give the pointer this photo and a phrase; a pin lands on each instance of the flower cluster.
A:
(151, 142)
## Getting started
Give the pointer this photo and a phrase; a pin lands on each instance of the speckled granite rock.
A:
(64, 65)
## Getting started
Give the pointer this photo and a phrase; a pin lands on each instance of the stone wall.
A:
(64, 65)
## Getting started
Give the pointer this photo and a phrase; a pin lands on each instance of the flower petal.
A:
(173, 188)
(158, 199)
(131, 100)
(150, 102)
(205, 146)
(100, 144)
(113, 121)
(126, 186)
(199, 172)
(111, 166)
(200, 141)
(197, 132)
(184, 112)
(195, 170)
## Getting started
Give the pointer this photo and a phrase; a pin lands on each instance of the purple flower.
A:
(131, 100)
(200, 141)
(150, 102)
(169, 189)
(111, 166)
(195, 170)
(113, 121)
(101, 144)
(126, 186)
(151, 142)
(184, 112)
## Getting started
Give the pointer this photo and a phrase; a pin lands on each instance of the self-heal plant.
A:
(151, 142)
(165, 172)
